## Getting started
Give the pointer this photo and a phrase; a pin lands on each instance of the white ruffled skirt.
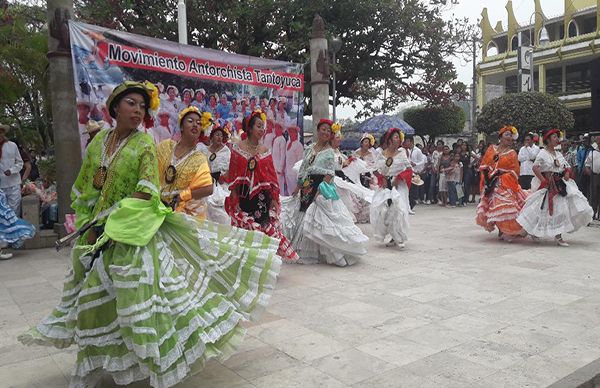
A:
(569, 213)
(324, 233)
(215, 209)
(390, 220)
(356, 198)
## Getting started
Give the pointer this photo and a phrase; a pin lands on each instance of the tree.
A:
(400, 49)
(435, 120)
(23, 72)
(528, 112)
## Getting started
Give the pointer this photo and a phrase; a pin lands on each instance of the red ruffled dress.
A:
(254, 188)
(501, 195)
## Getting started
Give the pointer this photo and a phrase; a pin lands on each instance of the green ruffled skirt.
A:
(159, 311)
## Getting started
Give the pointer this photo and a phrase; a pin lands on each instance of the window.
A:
(589, 25)
(514, 43)
(512, 84)
(554, 81)
(492, 49)
(579, 78)
(573, 30)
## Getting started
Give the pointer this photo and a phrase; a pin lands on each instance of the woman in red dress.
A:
(254, 200)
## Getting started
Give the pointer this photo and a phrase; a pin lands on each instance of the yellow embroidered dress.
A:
(192, 172)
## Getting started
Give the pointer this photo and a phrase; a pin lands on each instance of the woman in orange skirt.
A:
(501, 196)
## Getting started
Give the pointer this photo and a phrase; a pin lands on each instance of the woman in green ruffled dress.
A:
(151, 294)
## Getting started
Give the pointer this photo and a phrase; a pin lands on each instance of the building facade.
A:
(561, 64)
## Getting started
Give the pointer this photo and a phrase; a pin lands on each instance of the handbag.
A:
(459, 190)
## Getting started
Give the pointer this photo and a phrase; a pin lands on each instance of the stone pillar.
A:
(542, 78)
(62, 96)
(480, 92)
(319, 72)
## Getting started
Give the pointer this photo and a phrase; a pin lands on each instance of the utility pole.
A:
(182, 21)
(62, 97)
(474, 86)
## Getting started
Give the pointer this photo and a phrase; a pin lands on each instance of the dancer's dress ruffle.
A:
(159, 308)
(390, 220)
(355, 196)
(390, 207)
(215, 209)
(219, 165)
(260, 185)
(324, 231)
(13, 230)
(500, 208)
(569, 213)
(160, 292)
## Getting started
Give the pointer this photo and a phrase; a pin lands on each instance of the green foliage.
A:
(402, 49)
(435, 120)
(528, 112)
(23, 72)
(47, 168)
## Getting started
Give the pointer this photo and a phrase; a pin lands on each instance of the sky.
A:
(471, 9)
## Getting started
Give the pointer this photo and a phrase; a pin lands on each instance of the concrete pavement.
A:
(456, 308)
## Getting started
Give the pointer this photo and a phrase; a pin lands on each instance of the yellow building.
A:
(562, 61)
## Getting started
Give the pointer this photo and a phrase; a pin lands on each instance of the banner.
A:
(230, 86)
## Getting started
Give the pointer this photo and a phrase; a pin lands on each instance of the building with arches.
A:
(562, 63)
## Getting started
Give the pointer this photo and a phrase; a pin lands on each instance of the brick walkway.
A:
(456, 308)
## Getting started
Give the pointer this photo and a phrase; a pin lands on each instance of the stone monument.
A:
(319, 72)
(64, 110)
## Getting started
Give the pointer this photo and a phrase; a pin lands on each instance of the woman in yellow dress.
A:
(185, 179)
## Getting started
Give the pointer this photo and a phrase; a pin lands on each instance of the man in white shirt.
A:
(278, 152)
(418, 161)
(527, 155)
(10, 167)
(294, 153)
(592, 168)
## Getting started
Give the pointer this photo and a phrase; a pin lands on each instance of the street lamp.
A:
(528, 55)
(336, 45)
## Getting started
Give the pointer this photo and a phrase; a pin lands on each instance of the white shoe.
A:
(561, 243)
(428, 202)
(401, 245)
(390, 243)
(5, 256)
(411, 212)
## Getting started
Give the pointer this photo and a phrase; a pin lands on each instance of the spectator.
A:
(417, 161)
(10, 165)
(453, 179)
(279, 155)
(294, 153)
(592, 169)
(527, 155)
(445, 159)
(467, 172)
(435, 174)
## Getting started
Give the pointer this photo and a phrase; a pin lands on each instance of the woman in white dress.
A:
(556, 206)
(367, 154)
(218, 155)
(390, 207)
(347, 180)
(323, 229)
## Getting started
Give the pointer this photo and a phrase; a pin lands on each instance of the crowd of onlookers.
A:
(450, 172)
